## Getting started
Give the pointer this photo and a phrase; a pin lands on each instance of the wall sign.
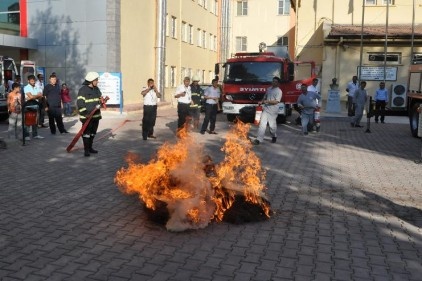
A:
(110, 84)
(376, 73)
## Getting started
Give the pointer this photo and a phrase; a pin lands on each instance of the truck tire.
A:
(281, 119)
(231, 117)
(414, 119)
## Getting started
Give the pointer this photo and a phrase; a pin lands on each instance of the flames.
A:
(190, 186)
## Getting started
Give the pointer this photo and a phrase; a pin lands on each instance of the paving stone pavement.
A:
(347, 206)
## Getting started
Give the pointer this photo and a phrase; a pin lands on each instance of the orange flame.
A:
(194, 189)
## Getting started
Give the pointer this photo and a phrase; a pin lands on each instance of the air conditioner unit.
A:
(398, 95)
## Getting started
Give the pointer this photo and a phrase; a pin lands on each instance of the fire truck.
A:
(414, 95)
(8, 72)
(248, 75)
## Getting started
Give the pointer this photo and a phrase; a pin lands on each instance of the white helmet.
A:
(195, 78)
(91, 76)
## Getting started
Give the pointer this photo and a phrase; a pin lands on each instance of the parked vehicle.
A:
(248, 75)
(8, 72)
(414, 96)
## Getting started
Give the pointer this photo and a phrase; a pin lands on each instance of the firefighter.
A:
(89, 99)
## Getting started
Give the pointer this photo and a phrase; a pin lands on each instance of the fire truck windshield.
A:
(251, 72)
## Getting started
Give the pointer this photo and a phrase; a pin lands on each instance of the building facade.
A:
(330, 33)
(72, 37)
(256, 21)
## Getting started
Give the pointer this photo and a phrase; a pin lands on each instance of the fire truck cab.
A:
(248, 75)
(414, 95)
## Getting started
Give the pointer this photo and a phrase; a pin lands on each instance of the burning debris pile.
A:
(184, 189)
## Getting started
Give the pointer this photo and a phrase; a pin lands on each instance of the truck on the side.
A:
(248, 75)
(414, 95)
(8, 72)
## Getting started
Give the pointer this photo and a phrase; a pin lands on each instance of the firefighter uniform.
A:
(89, 100)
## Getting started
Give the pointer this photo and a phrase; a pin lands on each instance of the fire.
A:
(194, 190)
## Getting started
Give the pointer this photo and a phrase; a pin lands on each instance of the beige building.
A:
(189, 36)
(256, 21)
(330, 32)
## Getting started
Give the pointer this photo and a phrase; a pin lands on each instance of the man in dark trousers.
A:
(150, 94)
(89, 99)
(53, 106)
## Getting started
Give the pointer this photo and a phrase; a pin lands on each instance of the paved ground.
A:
(348, 206)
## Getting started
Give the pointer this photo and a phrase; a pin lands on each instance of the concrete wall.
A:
(72, 38)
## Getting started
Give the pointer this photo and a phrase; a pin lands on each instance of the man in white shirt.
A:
(184, 98)
(32, 97)
(313, 87)
(40, 85)
(212, 96)
(352, 86)
(269, 112)
(150, 94)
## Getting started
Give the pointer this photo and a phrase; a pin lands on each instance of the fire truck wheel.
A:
(281, 119)
(231, 117)
(414, 119)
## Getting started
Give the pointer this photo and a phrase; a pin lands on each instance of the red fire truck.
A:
(248, 75)
(414, 96)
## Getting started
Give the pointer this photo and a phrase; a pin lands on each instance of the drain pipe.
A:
(160, 49)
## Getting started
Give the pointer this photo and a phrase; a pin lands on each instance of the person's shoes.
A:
(352, 124)
(86, 153)
(27, 138)
(202, 132)
(255, 142)
(152, 137)
(274, 140)
(358, 126)
(382, 122)
(305, 133)
(91, 150)
(38, 137)
(376, 121)
(53, 133)
(144, 138)
(44, 126)
(64, 132)
(212, 132)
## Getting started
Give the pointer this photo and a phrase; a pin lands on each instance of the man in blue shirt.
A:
(381, 100)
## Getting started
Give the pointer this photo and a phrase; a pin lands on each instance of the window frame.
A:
(283, 5)
(242, 8)
(242, 45)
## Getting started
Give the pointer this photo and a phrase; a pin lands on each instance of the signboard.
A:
(376, 73)
(333, 102)
(110, 84)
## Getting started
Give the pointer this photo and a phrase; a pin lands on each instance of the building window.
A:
(199, 42)
(379, 2)
(10, 17)
(214, 6)
(167, 25)
(190, 34)
(211, 42)
(241, 44)
(284, 7)
(166, 74)
(204, 39)
(184, 32)
(283, 41)
(173, 27)
(242, 8)
(205, 4)
(390, 58)
(172, 77)
(215, 42)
